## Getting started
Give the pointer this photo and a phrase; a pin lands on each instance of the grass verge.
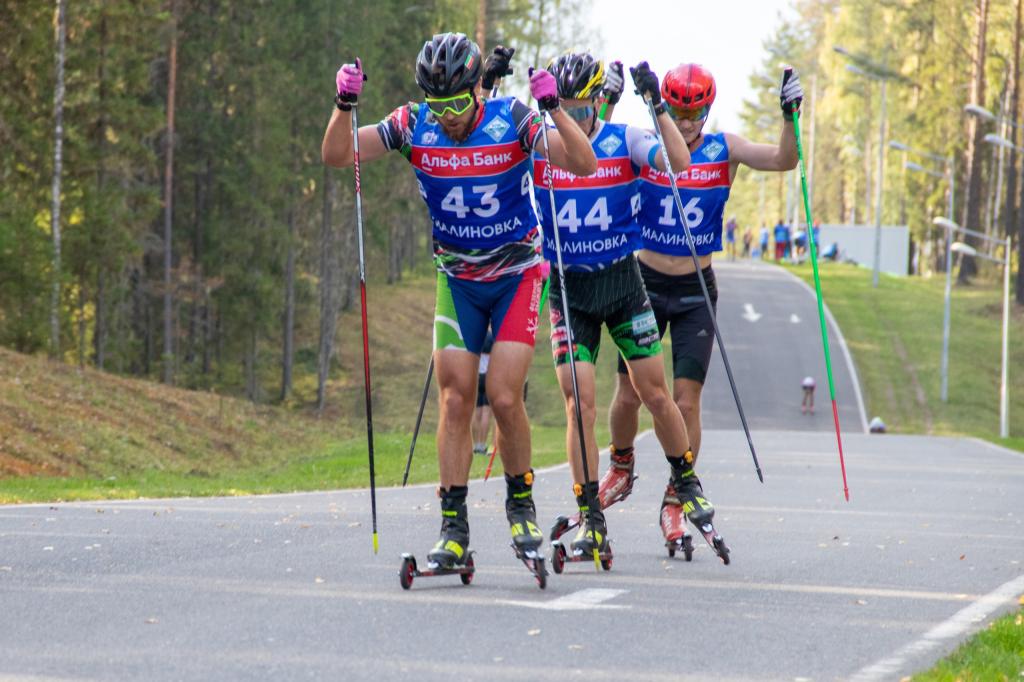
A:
(996, 653)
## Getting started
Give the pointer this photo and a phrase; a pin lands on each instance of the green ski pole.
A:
(817, 291)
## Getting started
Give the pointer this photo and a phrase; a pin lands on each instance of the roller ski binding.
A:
(616, 485)
(522, 519)
(673, 526)
(593, 534)
(451, 555)
(698, 510)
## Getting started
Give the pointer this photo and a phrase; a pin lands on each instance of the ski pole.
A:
(549, 179)
(821, 302)
(703, 285)
(366, 335)
(419, 418)
(490, 462)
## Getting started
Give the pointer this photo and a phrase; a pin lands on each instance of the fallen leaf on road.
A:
(962, 557)
(152, 621)
(48, 549)
(318, 580)
(533, 633)
(577, 647)
(860, 602)
(354, 524)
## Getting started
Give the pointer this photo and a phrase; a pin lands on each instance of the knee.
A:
(505, 401)
(688, 407)
(626, 397)
(588, 411)
(456, 403)
(656, 398)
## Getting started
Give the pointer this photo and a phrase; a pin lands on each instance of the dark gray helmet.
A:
(579, 75)
(447, 64)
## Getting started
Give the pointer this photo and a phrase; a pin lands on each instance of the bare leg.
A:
(624, 414)
(687, 396)
(510, 362)
(587, 390)
(456, 380)
(648, 377)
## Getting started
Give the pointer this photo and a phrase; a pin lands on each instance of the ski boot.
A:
(616, 485)
(699, 511)
(522, 518)
(593, 533)
(673, 526)
(451, 555)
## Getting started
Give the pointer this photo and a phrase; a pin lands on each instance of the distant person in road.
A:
(668, 266)
(807, 403)
(781, 234)
(764, 241)
(730, 238)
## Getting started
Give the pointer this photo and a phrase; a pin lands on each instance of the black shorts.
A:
(614, 296)
(679, 301)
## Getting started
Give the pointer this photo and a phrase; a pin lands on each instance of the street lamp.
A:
(1002, 144)
(881, 73)
(910, 165)
(999, 141)
(960, 247)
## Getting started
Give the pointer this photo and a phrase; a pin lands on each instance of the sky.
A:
(724, 35)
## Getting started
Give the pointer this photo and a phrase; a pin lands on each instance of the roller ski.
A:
(522, 519)
(673, 526)
(451, 555)
(592, 534)
(616, 485)
(698, 510)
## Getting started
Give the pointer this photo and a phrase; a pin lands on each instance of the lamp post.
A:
(959, 247)
(881, 73)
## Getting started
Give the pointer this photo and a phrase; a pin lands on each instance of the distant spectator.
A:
(764, 241)
(748, 239)
(730, 238)
(781, 233)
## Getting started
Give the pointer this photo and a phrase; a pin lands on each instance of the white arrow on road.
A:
(794, 319)
(749, 314)
(577, 601)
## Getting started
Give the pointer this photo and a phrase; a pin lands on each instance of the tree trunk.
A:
(289, 307)
(100, 326)
(100, 333)
(58, 144)
(168, 359)
(973, 202)
(1014, 201)
(327, 308)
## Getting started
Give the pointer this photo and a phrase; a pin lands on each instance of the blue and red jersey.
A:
(477, 191)
(597, 214)
(703, 189)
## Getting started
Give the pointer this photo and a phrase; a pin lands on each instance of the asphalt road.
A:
(286, 587)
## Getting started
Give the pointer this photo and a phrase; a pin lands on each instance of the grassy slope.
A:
(67, 433)
(895, 335)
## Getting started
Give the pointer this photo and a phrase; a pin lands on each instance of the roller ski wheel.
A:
(534, 562)
(409, 570)
(683, 544)
(715, 541)
(561, 556)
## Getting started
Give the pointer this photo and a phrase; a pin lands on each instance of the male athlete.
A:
(472, 163)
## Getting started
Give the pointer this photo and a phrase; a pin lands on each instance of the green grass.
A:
(895, 335)
(70, 434)
(996, 653)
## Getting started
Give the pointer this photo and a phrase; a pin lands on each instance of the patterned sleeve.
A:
(643, 146)
(396, 130)
(528, 123)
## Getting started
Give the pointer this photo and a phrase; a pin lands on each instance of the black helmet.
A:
(579, 75)
(447, 64)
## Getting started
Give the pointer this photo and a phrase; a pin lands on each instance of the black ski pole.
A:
(419, 418)
(366, 335)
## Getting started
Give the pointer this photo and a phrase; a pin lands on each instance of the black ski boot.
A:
(522, 519)
(698, 509)
(452, 549)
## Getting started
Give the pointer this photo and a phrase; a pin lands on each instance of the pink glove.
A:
(544, 89)
(350, 82)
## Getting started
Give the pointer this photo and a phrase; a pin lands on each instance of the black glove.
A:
(496, 66)
(614, 83)
(646, 83)
(791, 93)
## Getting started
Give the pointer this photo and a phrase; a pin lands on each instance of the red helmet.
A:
(688, 86)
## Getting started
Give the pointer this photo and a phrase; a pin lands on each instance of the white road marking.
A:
(582, 600)
(749, 314)
(794, 318)
(955, 628)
